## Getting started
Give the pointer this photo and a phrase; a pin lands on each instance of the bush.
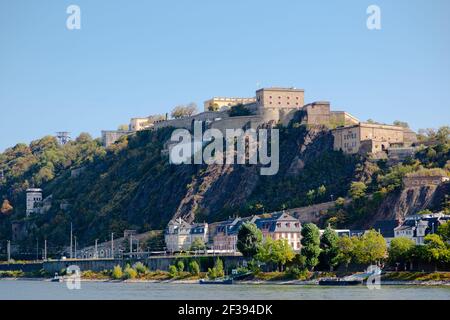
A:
(194, 268)
(173, 271)
(180, 266)
(140, 268)
(217, 271)
(129, 273)
(117, 272)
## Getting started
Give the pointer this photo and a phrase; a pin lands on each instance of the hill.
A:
(131, 184)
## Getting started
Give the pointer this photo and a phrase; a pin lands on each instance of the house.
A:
(386, 229)
(417, 227)
(226, 232)
(180, 235)
(281, 226)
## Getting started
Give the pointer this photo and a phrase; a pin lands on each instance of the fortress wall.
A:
(318, 113)
(237, 122)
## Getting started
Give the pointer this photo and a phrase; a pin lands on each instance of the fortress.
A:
(278, 106)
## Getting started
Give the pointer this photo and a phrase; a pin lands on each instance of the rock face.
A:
(410, 201)
(219, 186)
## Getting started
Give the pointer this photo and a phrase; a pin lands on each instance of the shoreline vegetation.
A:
(263, 278)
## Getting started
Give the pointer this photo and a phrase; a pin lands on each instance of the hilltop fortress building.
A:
(272, 106)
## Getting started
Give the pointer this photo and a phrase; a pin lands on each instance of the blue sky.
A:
(136, 58)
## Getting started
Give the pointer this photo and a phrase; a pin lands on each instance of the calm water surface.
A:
(30, 290)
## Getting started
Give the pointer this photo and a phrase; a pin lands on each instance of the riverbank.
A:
(161, 277)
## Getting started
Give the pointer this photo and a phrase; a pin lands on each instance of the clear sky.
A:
(136, 58)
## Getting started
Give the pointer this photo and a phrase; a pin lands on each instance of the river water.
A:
(31, 290)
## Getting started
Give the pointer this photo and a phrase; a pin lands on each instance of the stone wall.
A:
(153, 263)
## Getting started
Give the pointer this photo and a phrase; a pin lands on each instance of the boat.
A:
(57, 278)
(217, 281)
(340, 282)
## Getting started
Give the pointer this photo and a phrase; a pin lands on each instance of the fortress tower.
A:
(279, 104)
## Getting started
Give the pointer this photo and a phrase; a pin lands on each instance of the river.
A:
(45, 290)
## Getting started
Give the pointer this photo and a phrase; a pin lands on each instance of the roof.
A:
(386, 227)
(273, 224)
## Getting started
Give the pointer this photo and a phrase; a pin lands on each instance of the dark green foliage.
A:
(329, 248)
(310, 245)
(238, 110)
(249, 239)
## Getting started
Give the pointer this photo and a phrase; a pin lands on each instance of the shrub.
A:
(140, 268)
(117, 272)
(180, 266)
(217, 271)
(173, 271)
(129, 273)
(194, 268)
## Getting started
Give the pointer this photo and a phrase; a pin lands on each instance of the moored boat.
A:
(217, 281)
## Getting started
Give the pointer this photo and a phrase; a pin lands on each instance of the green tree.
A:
(213, 107)
(370, 248)
(249, 239)
(329, 248)
(194, 268)
(346, 247)
(357, 190)
(238, 110)
(400, 250)
(444, 231)
(173, 271)
(180, 266)
(217, 271)
(436, 250)
(278, 252)
(198, 244)
(425, 212)
(310, 245)
(311, 195)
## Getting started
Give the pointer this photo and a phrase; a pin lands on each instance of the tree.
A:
(357, 190)
(173, 271)
(194, 268)
(443, 135)
(329, 248)
(180, 266)
(249, 239)
(401, 124)
(321, 191)
(400, 250)
(310, 195)
(198, 244)
(346, 247)
(444, 231)
(436, 250)
(213, 107)
(217, 270)
(6, 208)
(310, 245)
(425, 212)
(278, 252)
(183, 111)
(370, 248)
(238, 110)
